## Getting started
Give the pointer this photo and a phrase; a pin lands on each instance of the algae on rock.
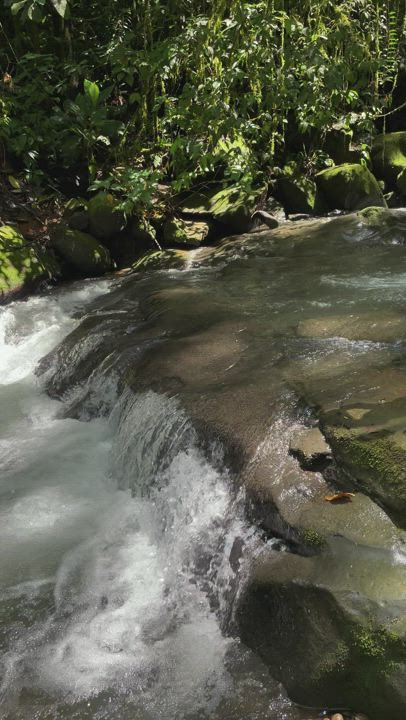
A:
(81, 251)
(22, 264)
(349, 187)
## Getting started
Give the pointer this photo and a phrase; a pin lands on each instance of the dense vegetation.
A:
(126, 93)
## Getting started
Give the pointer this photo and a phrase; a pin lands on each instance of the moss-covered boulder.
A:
(349, 187)
(188, 233)
(369, 444)
(331, 628)
(229, 206)
(22, 264)
(83, 253)
(388, 156)
(105, 220)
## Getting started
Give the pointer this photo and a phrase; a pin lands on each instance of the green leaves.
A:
(60, 6)
(92, 91)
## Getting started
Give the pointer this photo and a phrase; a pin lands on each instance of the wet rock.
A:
(105, 220)
(23, 265)
(369, 443)
(388, 156)
(325, 627)
(374, 326)
(84, 254)
(311, 449)
(187, 233)
(349, 187)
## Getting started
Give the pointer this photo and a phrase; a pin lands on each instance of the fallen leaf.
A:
(339, 496)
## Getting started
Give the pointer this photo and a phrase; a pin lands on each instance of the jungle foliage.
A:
(122, 94)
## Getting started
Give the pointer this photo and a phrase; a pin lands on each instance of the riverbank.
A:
(87, 237)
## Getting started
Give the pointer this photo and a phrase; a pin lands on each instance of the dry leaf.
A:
(339, 496)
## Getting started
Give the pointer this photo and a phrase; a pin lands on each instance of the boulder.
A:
(298, 194)
(188, 233)
(369, 444)
(349, 187)
(229, 206)
(105, 220)
(331, 627)
(22, 264)
(81, 251)
(388, 156)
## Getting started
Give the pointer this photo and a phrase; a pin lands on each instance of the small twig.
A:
(8, 41)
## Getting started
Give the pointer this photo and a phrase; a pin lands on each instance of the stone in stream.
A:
(23, 264)
(311, 449)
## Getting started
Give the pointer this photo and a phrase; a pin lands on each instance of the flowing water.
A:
(112, 598)
(119, 530)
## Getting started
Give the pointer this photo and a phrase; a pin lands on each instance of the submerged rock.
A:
(22, 264)
(388, 156)
(349, 187)
(81, 251)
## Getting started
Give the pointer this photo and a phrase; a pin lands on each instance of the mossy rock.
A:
(188, 233)
(105, 220)
(369, 445)
(328, 628)
(388, 156)
(22, 265)
(298, 194)
(349, 187)
(229, 206)
(81, 251)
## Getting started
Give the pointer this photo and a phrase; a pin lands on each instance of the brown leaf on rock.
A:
(341, 496)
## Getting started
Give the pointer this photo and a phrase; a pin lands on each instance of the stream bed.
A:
(139, 418)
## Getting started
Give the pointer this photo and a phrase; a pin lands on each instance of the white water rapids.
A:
(114, 564)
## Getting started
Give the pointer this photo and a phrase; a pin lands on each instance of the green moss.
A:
(349, 187)
(21, 262)
(185, 232)
(377, 454)
(313, 539)
(389, 156)
(82, 251)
